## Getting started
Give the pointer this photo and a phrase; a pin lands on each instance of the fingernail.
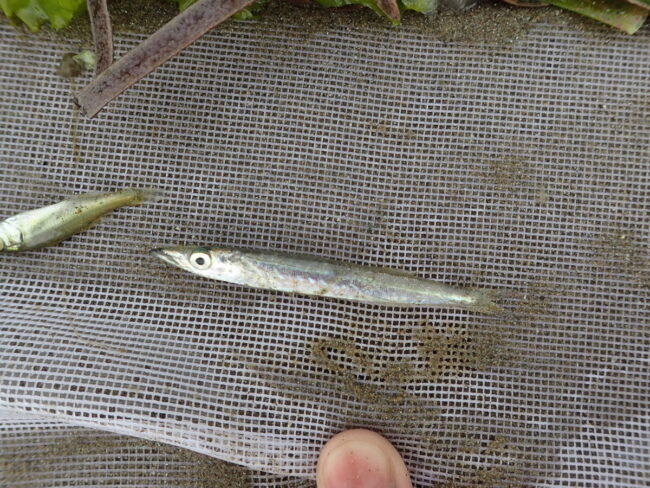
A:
(357, 465)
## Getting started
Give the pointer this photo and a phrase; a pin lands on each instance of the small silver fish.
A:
(315, 276)
(50, 225)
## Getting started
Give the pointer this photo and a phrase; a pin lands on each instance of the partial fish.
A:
(315, 276)
(50, 225)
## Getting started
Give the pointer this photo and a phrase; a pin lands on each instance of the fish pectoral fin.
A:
(89, 225)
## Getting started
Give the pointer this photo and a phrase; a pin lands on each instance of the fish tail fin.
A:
(142, 195)
(484, 302)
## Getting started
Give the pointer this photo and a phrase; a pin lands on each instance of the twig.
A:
(166, 42)
(100, 22)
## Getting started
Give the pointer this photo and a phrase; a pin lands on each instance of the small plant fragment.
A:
(617, 13)
(73, 64)
(163, 44)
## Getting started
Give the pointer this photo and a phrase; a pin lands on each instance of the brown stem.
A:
(100, 22)
(166, 42)
(390, 8)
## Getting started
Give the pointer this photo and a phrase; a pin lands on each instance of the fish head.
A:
(11, 237)
(210, 262)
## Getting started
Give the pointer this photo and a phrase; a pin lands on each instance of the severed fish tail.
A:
(484, 302)
(142, 195)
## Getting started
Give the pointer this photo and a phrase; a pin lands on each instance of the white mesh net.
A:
(522, 167)
(39, 453)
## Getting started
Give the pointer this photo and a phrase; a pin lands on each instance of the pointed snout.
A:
(167, 254)
(156, 251)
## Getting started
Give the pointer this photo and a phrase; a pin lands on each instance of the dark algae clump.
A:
(507, 174)
(143, 459)
(441, 355)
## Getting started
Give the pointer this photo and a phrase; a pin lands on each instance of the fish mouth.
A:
(166, 254)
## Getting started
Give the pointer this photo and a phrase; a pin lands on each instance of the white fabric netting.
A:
(45, 453)
(521, 167)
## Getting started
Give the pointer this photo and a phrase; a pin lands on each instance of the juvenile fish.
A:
(50, 225)
(314, 276)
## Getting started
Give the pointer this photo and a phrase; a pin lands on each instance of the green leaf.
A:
(423, 6)
(184, 4)
(617, 13)
(34, 12)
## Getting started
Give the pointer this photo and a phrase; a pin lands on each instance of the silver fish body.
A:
(50, 225)
(314, 276)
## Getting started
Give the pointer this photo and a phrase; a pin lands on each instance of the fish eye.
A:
(200, 259)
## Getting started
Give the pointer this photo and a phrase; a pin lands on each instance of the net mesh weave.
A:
(38, 453)
(522, 168)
